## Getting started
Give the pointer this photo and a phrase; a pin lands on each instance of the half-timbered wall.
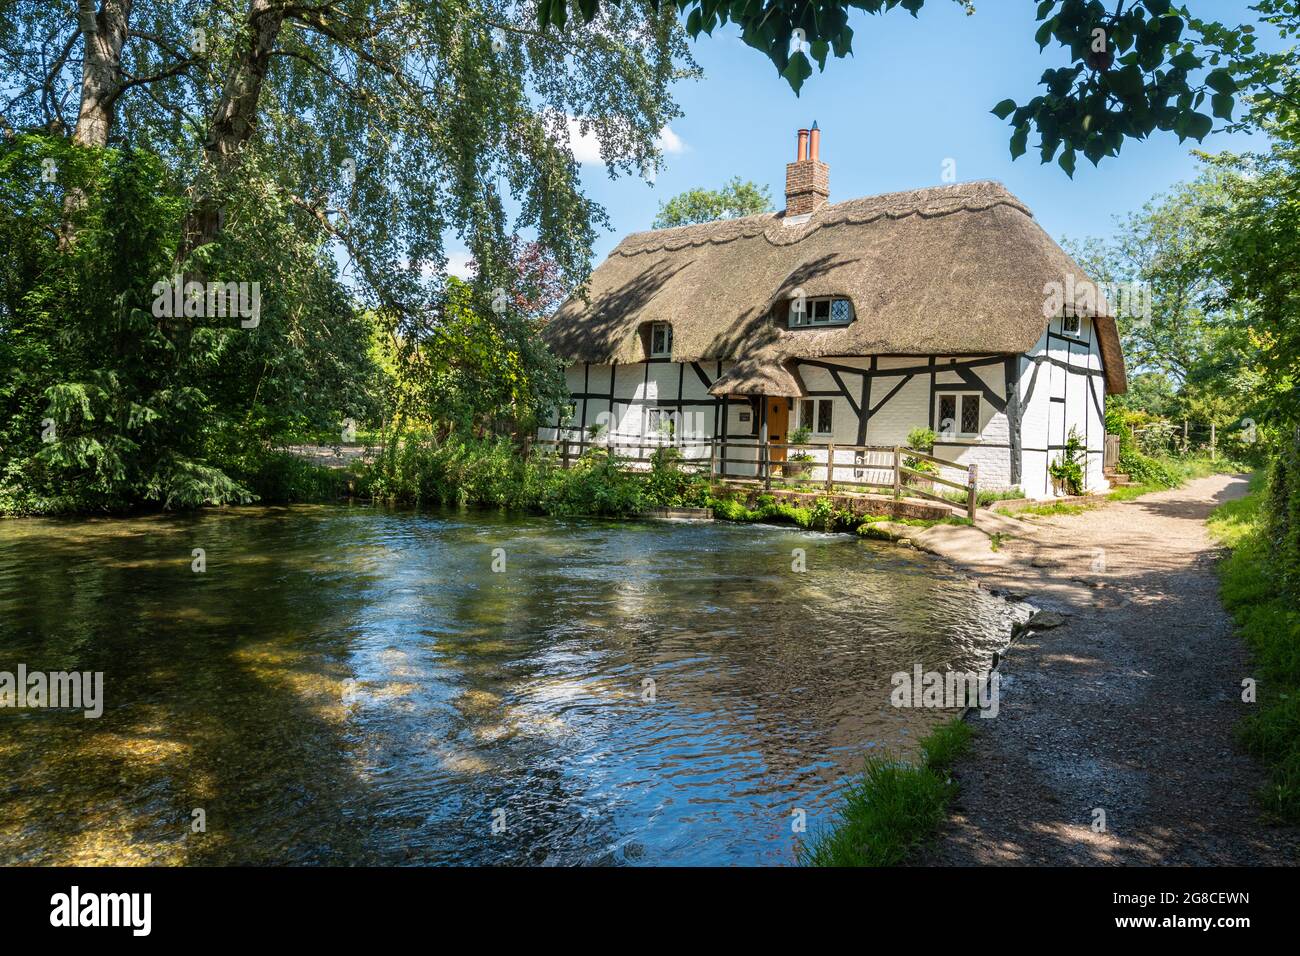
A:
(1062, 387)
(878, 400)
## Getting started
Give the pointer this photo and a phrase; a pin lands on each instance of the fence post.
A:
(767, 464)
(713, 454)
(1184, 436)
(830, 467)
(1213, 442)
(898, 475)
(565, 464)
(972, 495)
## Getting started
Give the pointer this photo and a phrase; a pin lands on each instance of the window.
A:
(1071, 325)
(817, 415)
(661, 340)
(662, 422)
(823, 311)
(959, 415)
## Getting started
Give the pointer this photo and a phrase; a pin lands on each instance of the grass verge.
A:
(1271, 626)
(894, 807)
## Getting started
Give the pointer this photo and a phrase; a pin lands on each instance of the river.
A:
(348, 684)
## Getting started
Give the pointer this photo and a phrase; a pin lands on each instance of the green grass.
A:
(1047, 511)
(1270, 624)
(894, 807)
(984, 497)
(1169, 471)
(1129, 492)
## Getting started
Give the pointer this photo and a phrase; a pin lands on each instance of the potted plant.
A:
(796, 463)
(1067, 470)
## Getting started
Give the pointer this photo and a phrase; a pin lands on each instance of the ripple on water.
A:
(358, 685)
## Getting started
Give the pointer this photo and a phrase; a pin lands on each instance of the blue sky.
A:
(916, 92)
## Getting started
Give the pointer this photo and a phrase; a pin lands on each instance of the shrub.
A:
(278, 477)
(1068, 469)
(922, 439)
(1270, 623)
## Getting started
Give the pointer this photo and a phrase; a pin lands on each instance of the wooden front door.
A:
(778, 424)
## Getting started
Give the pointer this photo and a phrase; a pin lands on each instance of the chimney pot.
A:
(807, 179)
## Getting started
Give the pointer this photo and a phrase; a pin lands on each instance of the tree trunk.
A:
(101, 68)
(101, 84)
(235, 119)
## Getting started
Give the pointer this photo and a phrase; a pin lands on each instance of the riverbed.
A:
(349, 684)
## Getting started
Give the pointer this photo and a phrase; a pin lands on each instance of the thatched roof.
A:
(953, 270)
(760, 375)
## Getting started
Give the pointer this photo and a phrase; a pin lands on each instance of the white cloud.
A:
(670, 142)
(586, 146)
(458, 264)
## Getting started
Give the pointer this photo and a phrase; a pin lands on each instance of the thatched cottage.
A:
(945, 307)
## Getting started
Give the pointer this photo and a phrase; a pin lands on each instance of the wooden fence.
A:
(881, 468)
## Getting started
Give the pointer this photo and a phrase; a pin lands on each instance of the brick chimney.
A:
(807, 179)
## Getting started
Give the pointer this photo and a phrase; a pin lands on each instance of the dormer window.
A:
(824, 311)
(661, 340)
(1071, 325)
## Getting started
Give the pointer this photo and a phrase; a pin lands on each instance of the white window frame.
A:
(1078, 325)
(812, 426)
(959, 399)
(810, 322)
(667, 329)
(673, 414)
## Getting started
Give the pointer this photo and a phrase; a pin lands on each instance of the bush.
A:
(594, 485)
(1269, 621)
(282, 478)
(1147, 471)
(1282, 516)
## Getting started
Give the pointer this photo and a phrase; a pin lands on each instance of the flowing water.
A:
(355, 685)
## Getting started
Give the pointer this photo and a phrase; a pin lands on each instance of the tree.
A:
(734, 199)
(1254, 234)
(1188, 346)
(1155, 270)
(1129, 72)
(275, 135)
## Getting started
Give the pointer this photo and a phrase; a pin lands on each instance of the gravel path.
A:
(1127, 708)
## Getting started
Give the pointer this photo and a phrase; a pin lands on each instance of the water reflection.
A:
(352, 685)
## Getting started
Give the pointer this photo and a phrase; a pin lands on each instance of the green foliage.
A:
(1282, 516)
(894, 807)
(494, 472)
(107, 405)
(668, 486)
(1255, 230)
(477, 369)
(595, 485)
(922, 439)
(1068, 467)
(1269, 619)
(278, 477)
(733, 200)
(984, 497)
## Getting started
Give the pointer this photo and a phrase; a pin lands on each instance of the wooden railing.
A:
(769, 463)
